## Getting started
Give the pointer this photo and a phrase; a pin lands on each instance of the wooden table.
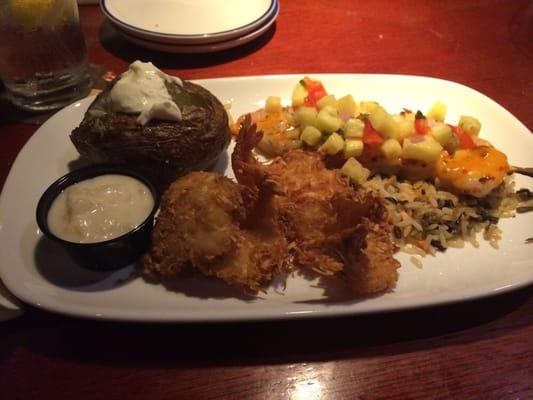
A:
(481, 349)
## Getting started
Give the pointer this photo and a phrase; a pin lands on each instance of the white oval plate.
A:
(40, 274)
(188, 21)
(198, 48)
(10, 307)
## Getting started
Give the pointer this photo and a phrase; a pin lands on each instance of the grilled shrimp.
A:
(324, 219)
(278, 134)
(474, 171)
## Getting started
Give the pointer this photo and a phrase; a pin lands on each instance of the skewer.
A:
(523, 171)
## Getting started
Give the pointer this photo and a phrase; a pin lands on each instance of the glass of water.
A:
(43, 59)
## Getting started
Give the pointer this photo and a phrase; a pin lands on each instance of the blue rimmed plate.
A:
(185, 22)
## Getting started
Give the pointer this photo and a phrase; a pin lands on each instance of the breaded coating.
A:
(201, 222)
(321, 210)
(374, 269)
(291, 213)
(330, 225)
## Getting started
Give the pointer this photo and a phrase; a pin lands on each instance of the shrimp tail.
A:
(247, 138)
(248, 171)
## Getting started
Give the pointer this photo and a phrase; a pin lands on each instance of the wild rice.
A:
(426, 219)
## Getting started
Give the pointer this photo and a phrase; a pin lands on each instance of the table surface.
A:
(481, 349)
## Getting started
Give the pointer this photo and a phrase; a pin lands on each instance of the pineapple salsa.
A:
(363, 135)
(440, 182)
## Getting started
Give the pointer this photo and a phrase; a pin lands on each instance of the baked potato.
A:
(162, 150)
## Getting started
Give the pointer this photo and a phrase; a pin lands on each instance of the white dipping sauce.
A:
(101, 208)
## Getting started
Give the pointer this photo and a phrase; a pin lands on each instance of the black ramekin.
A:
(106, 255)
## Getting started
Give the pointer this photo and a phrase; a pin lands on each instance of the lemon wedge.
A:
(30, 13)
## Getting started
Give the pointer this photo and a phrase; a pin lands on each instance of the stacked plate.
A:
(191, 26)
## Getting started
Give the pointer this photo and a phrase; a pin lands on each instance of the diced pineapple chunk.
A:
(306, 116)
(353, 148)
(404, 126)
(293, 133)
(470, 125)
(299, 94)
(333, 144)
(355, 171)
(291, 118)
(442, 133)
(409, 116)
(391, 149)
(273, 104)
(328, 121)
(347, 105)
(328, 100)
(366, 107)
(383, 122)
(331, 110)
(422, 148)
(311, 135)
(437, 111)
(353, 129)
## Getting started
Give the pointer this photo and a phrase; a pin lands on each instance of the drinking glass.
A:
(43, 59)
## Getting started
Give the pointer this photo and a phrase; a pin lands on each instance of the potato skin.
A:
(162, 150)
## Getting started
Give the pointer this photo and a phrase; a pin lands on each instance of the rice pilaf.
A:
(457, 185)
(426, 219)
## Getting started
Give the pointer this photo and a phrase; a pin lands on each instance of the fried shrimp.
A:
(289, 214)
(373, 269)
(324, 218)
(205, 221)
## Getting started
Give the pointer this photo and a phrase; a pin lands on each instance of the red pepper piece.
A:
(315, 91)
(370, 135)
(421, 126)
(465, 140)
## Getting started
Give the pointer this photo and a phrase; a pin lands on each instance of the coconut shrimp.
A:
(221, 228)
(331, 227)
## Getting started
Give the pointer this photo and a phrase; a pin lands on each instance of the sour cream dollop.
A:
(142, 90)
(101, 208)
